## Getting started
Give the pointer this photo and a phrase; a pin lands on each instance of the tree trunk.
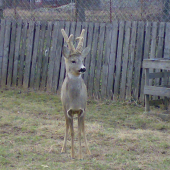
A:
(80, 10)
(1, 8)
(166, 10)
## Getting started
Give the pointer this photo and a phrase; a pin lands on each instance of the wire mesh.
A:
(89, 10)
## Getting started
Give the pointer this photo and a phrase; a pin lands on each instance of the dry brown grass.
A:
(120, 135)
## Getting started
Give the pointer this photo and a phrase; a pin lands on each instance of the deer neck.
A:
(73, 77)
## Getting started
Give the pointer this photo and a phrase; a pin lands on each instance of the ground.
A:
(121, 136)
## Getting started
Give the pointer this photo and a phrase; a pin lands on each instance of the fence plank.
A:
(85, 26)
(2, 39)
(153, 49)
(167, 41)
(166, 49)
(23, 51)
(138, 59)
(16, 53)
(11, 53)
(93, 59)
(57, 60)
(28, 55)
(112, 59)
(6, 53)
(40, 55)
(106, 60)
(125, 60)
(97, 83)
(35, 52)
(52, 56)
(62, 68)
(119, 59)
(131, 60)
(160, 47)
(46, 56)
(87, 60)
(147, 44)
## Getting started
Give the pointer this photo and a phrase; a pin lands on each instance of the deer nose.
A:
(82, 70)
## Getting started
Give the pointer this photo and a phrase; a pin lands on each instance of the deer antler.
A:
(81, 40)
(69, 41)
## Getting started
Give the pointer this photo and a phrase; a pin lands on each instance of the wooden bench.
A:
(156, 63)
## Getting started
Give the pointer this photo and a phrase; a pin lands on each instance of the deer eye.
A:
(73, 61)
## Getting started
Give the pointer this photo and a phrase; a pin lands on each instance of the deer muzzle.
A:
(82, 70)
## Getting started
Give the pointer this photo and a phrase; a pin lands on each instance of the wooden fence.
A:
(31, 55)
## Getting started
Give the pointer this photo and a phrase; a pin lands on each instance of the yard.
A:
(120, 135)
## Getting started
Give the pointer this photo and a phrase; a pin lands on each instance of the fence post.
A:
(1, 8)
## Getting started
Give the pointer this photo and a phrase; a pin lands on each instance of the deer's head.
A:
(74, 56)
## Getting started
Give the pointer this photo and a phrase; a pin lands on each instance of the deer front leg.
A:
(72, 136)
(79, 136)
(66, 135)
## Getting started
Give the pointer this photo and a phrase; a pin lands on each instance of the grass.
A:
(120, 135)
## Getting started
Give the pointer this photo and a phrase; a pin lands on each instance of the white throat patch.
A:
(71, 76)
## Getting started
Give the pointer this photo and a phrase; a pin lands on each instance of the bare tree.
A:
(1, 8)
(80, 10)
(166, 10)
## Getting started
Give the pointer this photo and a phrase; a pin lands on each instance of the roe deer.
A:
(73, 91)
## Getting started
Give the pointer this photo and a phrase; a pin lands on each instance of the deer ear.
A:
(66, 52)
(85, 52)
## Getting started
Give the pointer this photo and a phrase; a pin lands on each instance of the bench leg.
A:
(147, 108)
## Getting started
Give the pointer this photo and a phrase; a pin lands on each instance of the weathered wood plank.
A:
(85, 26)
(93, 59)
(147, 45)
(160, 46)
(157, 63)
(46, 56)
(35, 52)
(11, 53)
(167, 41)
(153, 48)
(125, 61)
(57, 60)
(119, 59)
(87, 60)
(157, 91)
(97, 83)
(16, 53)
(105, 67)
(40, 55)
(52, 56)
(6, 53)
(158, 75)
(153, 40)
(22, 53)
(28, 55)
(138, 59)
(146, 84)
(112, 59)
(2, 39)
(62, 67)
(166, 46)
(131, 60)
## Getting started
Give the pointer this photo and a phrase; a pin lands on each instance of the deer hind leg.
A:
(84, 135)
(66, 135)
